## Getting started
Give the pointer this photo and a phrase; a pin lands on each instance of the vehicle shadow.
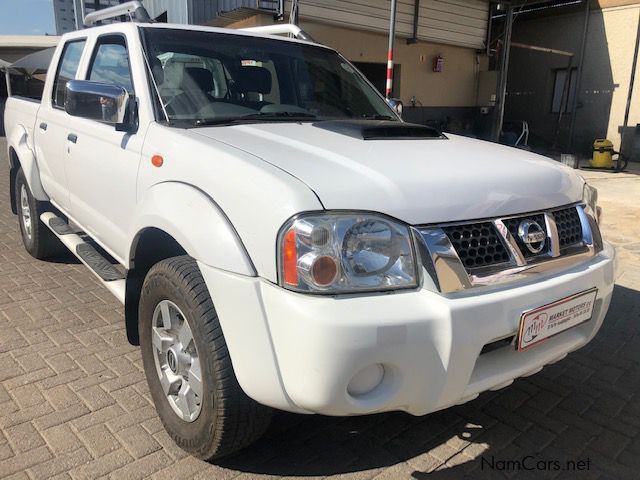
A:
(582, 408)
(66, 257)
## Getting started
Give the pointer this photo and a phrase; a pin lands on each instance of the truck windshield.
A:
(208, 78)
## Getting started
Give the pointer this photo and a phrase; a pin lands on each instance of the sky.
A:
(26, 17)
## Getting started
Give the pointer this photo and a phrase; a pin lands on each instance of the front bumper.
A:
(299, 352)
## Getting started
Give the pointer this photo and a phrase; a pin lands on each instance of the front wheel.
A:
(188, 368)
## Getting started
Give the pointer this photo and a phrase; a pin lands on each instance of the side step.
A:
(107, 273)
(100, 265)
(59, 226)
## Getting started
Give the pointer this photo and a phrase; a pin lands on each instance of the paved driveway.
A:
(74, 403)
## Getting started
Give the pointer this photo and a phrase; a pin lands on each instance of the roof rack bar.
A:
(135, 10)
(280, 29)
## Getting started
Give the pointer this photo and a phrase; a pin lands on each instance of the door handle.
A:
(43, 126)
(72, 137)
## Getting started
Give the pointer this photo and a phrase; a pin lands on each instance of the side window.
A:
(67, 69)
(110, 63)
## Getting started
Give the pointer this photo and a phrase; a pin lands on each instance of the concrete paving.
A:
(74, 402)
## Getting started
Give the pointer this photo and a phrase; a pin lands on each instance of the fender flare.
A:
(18, 142)
(196, 222)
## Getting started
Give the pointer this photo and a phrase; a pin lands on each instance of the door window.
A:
(67, 70)
(110, 63)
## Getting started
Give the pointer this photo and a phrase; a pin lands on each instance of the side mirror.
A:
(99, 101)
(396, 105)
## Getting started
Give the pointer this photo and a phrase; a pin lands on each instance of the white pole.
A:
(78, 8)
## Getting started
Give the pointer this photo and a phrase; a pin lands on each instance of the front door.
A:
(102, 163)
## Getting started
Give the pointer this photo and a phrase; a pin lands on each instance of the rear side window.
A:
(67, 70)
(110, 63)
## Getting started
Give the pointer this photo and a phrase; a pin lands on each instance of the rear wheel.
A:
(38, 240)
(188, 368)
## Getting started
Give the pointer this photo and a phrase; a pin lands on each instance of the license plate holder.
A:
(544, 322)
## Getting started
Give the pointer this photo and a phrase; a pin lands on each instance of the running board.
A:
(107, 273)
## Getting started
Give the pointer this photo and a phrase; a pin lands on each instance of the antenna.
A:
(135, 10)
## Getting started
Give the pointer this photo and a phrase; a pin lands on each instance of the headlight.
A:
(346, 252)
(590, 199)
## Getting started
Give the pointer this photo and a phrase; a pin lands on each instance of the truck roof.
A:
(134, 26)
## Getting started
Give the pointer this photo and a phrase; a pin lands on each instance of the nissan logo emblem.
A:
(532, 235)
(172, 361)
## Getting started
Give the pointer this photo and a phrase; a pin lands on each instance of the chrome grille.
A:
(569, 227)
(486, 252)
(477, 244)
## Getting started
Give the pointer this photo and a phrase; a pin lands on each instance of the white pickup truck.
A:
(280, 239)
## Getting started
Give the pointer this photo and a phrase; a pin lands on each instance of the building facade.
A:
(68, 19)
(537, 79)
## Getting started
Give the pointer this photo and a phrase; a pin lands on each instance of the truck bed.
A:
(20, 114)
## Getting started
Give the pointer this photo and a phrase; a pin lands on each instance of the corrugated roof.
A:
(28, 41)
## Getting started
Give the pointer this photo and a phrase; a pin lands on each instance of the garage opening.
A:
(376, 73)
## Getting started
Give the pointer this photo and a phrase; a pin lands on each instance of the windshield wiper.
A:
(278, 115)
(205, 122)
(260, 116)
(377, 117)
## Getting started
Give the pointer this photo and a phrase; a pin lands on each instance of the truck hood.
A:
(417, 181)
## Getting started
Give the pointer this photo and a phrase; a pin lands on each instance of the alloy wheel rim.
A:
(176, 359)
(26, 210)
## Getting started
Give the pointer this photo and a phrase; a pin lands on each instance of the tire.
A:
(38, 240)
(222, 419)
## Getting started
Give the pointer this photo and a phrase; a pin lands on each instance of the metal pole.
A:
(504, 72)
(536, 48)
(7, 77)
(489, 27)
(416, 17)
(279, 15)
(564, 100)
(392, 38)
(634, 65)
(574, 100)
(78, 9)
(294, 17)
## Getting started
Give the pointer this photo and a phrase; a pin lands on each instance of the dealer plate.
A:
(541, 323)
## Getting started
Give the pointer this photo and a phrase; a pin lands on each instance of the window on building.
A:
(561, 95)
(110, 63)
(67, 70)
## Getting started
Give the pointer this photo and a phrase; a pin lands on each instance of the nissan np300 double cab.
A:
(281, 239)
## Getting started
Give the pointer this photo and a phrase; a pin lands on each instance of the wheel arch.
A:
(14, 166)
(21, 156)
(151, 245)
(175, 219)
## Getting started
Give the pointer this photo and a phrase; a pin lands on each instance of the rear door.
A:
(50, 129)
(102, 163)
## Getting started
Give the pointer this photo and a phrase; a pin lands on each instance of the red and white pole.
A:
(392, 39)
(389, 87)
